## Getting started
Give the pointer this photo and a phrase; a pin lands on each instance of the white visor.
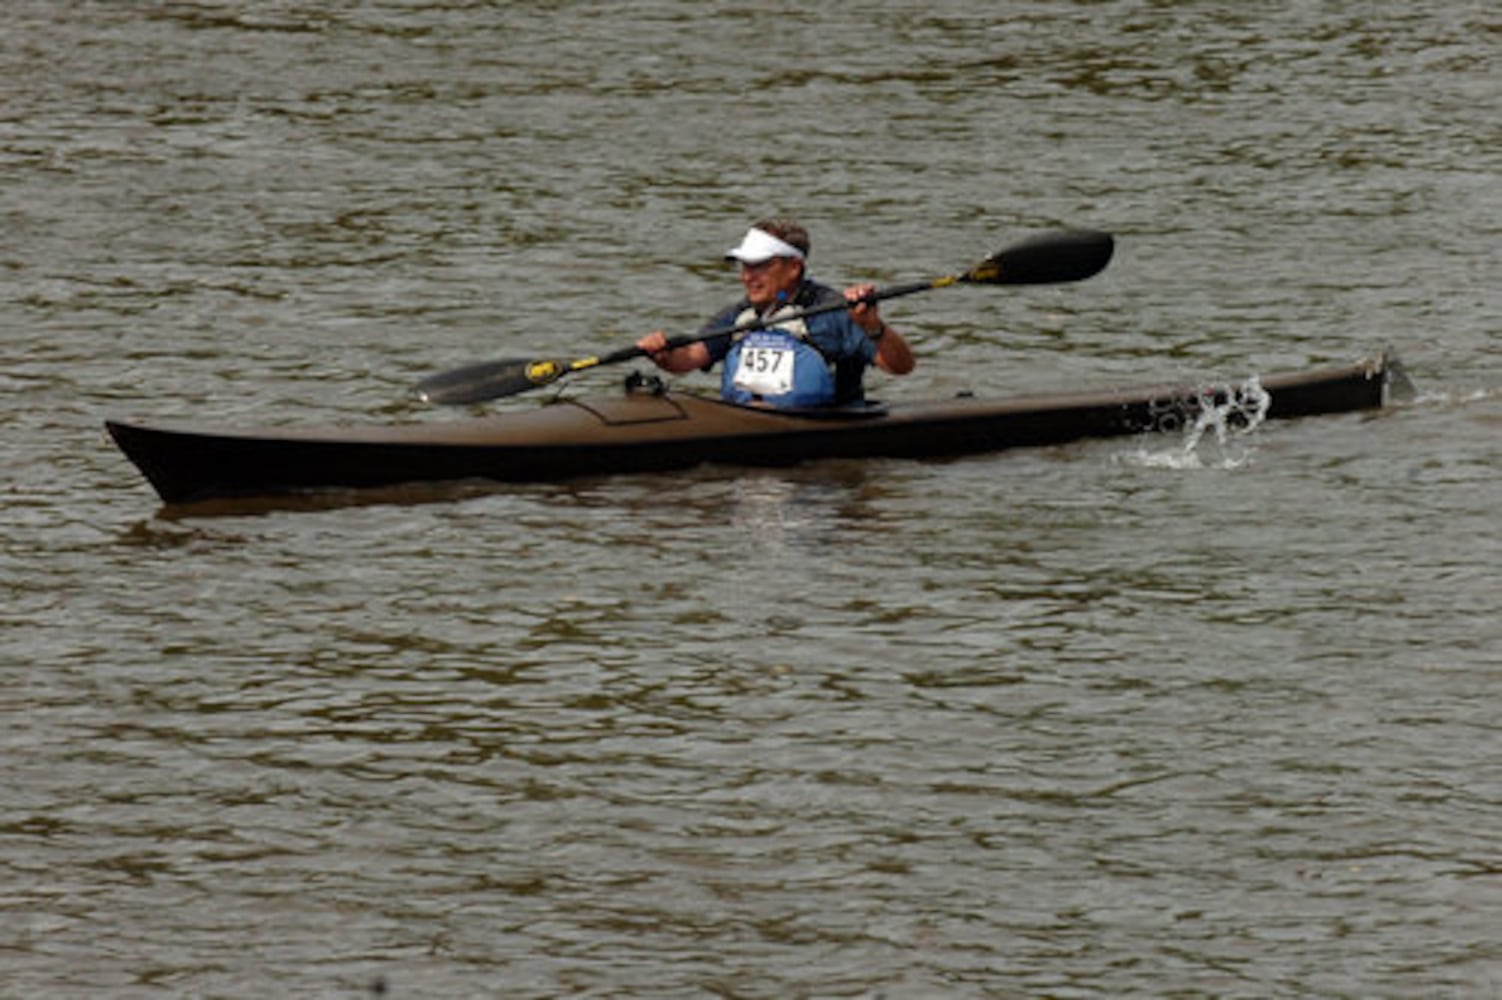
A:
(760, 245)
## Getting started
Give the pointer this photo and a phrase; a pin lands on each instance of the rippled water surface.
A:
(1121, 718)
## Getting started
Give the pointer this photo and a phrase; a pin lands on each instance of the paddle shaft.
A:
(762, 322)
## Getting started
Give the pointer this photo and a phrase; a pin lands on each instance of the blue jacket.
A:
(844, 348)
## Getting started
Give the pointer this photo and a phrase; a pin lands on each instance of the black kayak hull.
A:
(647, 431)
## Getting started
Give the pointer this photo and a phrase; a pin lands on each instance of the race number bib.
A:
(765, 370)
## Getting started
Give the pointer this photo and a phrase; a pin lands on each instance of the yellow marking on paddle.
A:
(583, 363)
(985, 271)
(543, 372)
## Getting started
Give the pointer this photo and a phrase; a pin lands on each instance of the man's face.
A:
(764, 282)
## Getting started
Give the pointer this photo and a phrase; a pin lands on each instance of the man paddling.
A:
(814, 360)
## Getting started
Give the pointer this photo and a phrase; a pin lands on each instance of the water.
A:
(1140, 717)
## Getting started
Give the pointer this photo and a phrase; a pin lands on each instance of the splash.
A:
(1217, 423)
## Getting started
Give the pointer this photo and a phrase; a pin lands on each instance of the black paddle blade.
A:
(487, 380)
(1047, 258)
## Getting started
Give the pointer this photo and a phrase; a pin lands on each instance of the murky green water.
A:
(1093, 721)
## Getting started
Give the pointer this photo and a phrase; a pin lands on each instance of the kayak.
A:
(647, 428)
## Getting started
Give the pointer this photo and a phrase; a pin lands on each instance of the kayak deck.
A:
(653, 431)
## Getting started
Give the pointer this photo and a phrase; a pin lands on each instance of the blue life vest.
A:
(829, 352)
(777, 367)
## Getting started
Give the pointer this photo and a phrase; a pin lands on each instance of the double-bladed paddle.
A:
(1046, 258)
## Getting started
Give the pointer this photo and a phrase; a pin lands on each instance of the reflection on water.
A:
(310, 501)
